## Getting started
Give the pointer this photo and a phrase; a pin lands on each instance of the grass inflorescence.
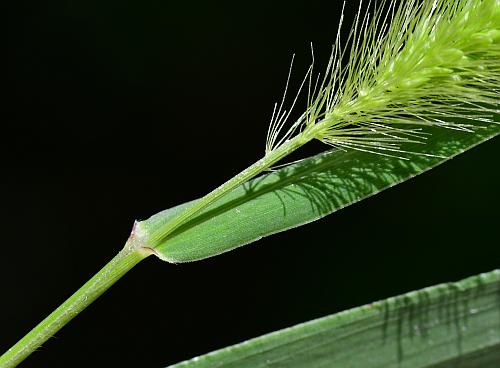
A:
(425, 63)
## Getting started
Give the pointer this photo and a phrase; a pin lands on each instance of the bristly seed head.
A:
(425, 63)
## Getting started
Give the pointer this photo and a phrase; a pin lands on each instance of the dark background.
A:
(119, 109)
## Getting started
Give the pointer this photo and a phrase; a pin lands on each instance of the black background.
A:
(119, 109)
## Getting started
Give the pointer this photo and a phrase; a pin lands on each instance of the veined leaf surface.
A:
(444, 326)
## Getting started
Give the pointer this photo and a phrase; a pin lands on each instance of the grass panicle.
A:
(423, 63)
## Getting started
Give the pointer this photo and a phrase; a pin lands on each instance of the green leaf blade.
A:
(444, 326)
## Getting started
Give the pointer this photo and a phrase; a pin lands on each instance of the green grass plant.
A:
(416, 84)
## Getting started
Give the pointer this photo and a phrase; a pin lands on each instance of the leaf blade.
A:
(448, 325)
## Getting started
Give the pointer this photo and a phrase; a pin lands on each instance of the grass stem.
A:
(90, 291)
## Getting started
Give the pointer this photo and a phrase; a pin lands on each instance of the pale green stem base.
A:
(89, 292)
